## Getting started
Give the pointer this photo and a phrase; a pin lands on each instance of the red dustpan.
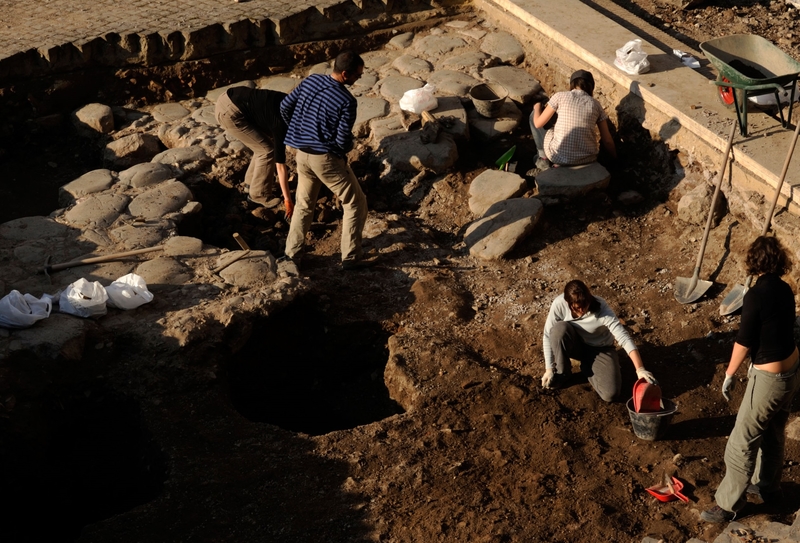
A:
(646, 397)
(669, 492)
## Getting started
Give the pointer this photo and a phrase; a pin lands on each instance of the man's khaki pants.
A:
(261, 171)
(312, 172)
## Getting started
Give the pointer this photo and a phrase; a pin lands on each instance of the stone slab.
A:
(205, 115)
(451, 112)
(406, 152)
(93, 119)
(504, 225)
(163, 271)
(279, 83)
(183, 246)
(169, 111)
(213, 94)
(26, 228)
(504, 47)
(411, 65)
(572, 181)
(147, 174)
(452, 82)
(186, 158)
(466, 61)
(160, 200)
(97, 210)
(401, 41)
(369, 107)
(521, 85)
(255, 269)
(88, 183)
(437, 45)
(492, 186)
(133, 149)
(394, 86)
(140, 236)
(485, 128)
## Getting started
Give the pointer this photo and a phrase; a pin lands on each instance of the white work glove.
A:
(547, 378)
(642, 373)
(727, 386)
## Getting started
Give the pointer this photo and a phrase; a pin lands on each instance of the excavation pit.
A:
(305, 373)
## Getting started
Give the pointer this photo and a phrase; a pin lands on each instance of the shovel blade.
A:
(733, 301)
(686, 292)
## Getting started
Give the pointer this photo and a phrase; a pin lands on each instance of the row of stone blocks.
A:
(348, 18)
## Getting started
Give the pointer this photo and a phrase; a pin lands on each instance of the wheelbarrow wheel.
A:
(725, 93)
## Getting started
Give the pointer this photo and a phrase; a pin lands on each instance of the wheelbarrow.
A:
(749, 65)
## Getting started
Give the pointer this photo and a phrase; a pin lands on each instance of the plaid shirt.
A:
(573, 140)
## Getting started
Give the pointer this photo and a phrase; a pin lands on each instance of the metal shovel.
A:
(689, 289)
(735, 298)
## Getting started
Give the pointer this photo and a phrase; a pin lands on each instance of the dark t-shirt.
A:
(262, 108)
(768, 315)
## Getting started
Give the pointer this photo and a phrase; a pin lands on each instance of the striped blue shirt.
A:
(320, 113)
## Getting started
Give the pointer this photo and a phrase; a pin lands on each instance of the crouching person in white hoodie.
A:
(584, 327)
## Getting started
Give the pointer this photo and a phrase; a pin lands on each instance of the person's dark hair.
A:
(583, 84)
(347, 61)
(577, 293)
(767, 255)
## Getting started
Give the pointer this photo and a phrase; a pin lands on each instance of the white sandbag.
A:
(632, 59)
(419, 100)
(23, 310)
(128, 292)
(84, 299)
(769, 99)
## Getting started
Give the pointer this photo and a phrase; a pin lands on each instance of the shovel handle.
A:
(720, 176)
(98, 259)
(768, 219)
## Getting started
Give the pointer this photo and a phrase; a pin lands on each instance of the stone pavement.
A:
(41, 24)
(46, 36)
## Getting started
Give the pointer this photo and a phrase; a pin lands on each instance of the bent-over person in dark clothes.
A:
(253, 117)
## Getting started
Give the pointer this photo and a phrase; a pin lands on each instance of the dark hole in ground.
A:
(86, 458)
(304, 373)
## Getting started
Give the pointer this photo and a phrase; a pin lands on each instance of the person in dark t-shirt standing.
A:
(253, 117)
(755, 451)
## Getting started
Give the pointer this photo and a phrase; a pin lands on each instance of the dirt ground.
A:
(280, 449)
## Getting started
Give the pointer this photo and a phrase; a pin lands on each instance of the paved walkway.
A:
(41, 24)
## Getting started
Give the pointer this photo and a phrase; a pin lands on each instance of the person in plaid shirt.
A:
(564, 129)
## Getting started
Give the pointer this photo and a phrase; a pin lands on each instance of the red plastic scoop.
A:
(669, 492)
(646, 397)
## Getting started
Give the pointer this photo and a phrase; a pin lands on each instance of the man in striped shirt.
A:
(320, 113)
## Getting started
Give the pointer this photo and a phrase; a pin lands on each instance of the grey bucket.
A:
(651, 426)
(488, 98)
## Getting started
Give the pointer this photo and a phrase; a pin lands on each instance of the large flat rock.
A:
(452, 82)
(484, 128)
(492, 186)
(406, 152)
(503, 46)
(132, 149)
(147, 174)
(504, 225)
(89, 183)
(521, 85)
(164, 198)
(369, 107)
(27, 228)
(572, 180)
(97, 210)
(451, 112)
